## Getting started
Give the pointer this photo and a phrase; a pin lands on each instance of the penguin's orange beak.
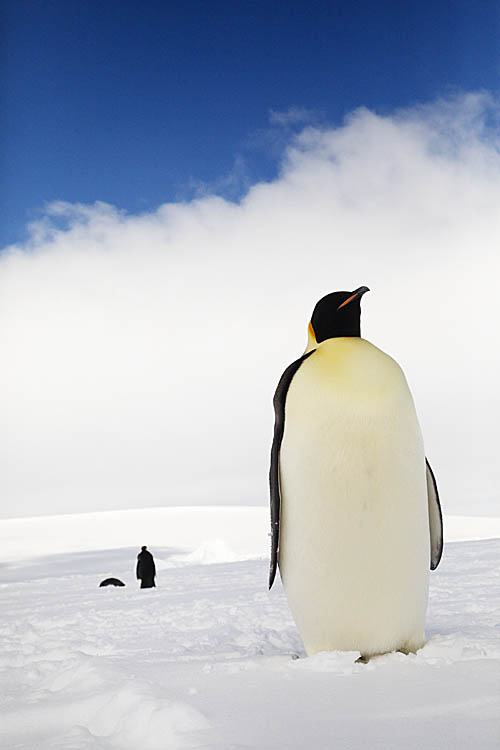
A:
(357, 293)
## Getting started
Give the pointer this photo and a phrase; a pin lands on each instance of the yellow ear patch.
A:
(311, 339)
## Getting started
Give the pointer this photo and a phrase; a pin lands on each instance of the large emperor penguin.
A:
(355, 514)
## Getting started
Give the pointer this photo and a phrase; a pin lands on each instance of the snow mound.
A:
(98, 705)
(134, 718)
(209, 552)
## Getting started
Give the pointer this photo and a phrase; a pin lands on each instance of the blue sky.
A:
(138, 103)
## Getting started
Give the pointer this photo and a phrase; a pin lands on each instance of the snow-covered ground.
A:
(208, 658)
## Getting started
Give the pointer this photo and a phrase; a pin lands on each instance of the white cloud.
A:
(292, 116)
(231, 185)
(141, 352)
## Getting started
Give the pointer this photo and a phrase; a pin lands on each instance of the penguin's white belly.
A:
(354, 535)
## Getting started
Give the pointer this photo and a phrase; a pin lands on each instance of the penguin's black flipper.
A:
(274, 473)
(435, 518)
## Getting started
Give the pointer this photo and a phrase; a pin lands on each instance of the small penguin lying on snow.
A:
(111, 582)
(355, 515)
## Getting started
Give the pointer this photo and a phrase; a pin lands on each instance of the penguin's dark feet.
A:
(362, 659)
(413, 644)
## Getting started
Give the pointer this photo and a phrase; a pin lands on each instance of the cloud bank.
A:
(141, 352)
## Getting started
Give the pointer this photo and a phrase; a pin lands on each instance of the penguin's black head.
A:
(337, 314)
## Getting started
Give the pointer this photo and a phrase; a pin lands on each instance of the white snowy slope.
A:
(207, 659)
(214, 533)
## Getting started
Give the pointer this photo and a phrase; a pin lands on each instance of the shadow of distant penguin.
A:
(111, 582)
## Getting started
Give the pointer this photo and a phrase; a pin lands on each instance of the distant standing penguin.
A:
(355, 514)
(146, 569)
